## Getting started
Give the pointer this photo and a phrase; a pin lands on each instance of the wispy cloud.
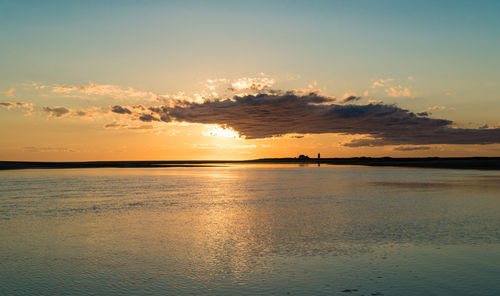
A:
(57, 111)
(141, 127)
(259, 83)
(10, 93)
(398, 91)
(390, 87)
(27, 108)
(437, 108)
(441, 108)
(115, 125)
(35, 149)
(106, 90)
(375, 102)
(10, 105)
(38, 86)
(411, 148)
(60, 112)
(350, 97)
(381, 82)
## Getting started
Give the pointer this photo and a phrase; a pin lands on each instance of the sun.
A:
(220, 132)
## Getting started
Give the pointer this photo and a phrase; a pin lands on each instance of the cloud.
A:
(351, 98)
(437, 108)
(390, 87)
(118, 125)
(138, 111)
(259, 83)
(276, 114)
(266, 116)
(398, 91)
(57, 111)
(115, 125)
(411, 148)
(148, 118)
(120, 110)
(142, 127)
(381, 82)
(27, 108)
(10, 92)
(442, 135)
(223, 87)
(375, 102)
(38, 86)
(60, 112)
(106, 90)
(34, 149)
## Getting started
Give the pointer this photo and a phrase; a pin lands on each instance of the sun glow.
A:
(220, 132)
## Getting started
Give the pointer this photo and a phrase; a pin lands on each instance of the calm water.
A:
(250, 230)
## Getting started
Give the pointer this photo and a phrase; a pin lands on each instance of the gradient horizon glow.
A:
(87, 80)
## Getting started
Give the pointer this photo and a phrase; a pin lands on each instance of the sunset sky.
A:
(183, 80)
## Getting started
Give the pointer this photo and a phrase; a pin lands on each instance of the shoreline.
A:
(477, 163)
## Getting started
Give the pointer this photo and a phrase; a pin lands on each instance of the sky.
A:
(185, 80)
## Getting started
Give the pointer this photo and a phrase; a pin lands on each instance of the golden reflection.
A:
(225, 231)
(229, 221)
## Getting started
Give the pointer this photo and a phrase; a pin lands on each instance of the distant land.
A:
(478, 163)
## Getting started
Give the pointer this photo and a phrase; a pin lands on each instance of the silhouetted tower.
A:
(319, 159)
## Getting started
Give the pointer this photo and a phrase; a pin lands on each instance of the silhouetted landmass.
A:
(480, 163)
(9, 165)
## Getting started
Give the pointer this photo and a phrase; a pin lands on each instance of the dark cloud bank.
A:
(270, 115)
(414, 148)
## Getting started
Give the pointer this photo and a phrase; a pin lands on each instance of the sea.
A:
(250, 230)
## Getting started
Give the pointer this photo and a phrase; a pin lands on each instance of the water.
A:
(250, 230)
